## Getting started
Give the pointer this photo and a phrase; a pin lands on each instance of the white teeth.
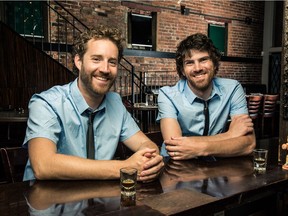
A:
(199, 75)
(102, 78)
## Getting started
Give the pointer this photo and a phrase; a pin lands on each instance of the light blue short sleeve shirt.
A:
(60, 114)
(178, 102)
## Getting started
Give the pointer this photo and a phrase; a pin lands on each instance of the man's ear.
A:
(182, 71)
(78, 62)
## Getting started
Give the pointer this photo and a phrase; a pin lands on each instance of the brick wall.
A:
(244, 40)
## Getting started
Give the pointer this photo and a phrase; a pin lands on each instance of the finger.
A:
(153, 171)
(176, 158)
(172, 153)
(154, 162)
(176, 138)
(175, 155)
(148, 178)
(148, 155)
(146, 151)
(170, 142)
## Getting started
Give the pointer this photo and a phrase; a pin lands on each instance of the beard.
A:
(201, 85)
(92, 87)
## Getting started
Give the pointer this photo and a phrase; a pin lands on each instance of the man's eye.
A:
(95, 59)
(113, 63)
(205, 60)
(189, 63)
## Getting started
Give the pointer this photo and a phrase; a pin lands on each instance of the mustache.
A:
(103, 74)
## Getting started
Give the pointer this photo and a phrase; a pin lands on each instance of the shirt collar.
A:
(79, 100)
(216, 90)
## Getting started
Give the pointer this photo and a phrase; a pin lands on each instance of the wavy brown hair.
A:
(100, 32)
(199, 42)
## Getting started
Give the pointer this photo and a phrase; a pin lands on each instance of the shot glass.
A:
(260, 160)
(128, 181)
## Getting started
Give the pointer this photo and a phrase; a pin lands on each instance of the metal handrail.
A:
(74, 17)
(58, 38)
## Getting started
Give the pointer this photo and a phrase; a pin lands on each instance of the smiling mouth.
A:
(105, 79)
(102, 78)
(200, 75)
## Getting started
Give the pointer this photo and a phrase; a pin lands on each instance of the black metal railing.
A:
(57, 39)
(57, 36)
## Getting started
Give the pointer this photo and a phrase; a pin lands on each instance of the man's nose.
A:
(104, 66)
(197, 66)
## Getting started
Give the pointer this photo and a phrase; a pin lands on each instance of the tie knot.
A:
(205, 102)
(91, 117)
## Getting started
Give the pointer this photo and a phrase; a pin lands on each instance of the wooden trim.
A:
(140, 6)
(157, 54)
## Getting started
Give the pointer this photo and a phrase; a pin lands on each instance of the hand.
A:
(240, 125)
(147, 162)
(182, 148)
(152, 168)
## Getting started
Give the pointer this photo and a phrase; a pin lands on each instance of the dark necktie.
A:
(90, 137)
(206, 114)
(205, 132)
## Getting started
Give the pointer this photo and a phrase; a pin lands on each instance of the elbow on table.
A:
(41, 172)
(251, 146)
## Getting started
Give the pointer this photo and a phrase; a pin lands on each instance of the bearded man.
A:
(59, 117)
(194, 113)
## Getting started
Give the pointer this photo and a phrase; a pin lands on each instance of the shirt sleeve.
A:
(129, 127)
(166, 108)
(238, 101)
(42, 122)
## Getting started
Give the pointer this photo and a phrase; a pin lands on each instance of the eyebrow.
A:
(204, 57)
(100, 56)
(199, 59)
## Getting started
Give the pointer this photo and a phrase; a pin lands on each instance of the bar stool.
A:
(268, 114)
(254, 103)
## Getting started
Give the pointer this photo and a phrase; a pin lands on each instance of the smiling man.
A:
(58, 120)
(193, 114)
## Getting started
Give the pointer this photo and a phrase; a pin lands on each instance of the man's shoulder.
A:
(113, 99)
(54, 92)
(113, 96)
(178, 87)
(226, 83)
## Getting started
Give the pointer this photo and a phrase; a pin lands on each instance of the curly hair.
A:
(100, 32)
(199, 42)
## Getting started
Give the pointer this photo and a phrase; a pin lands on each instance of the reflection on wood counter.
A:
(227, 186)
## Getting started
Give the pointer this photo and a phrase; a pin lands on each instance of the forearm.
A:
(213, 138)
(59, 166)
(149, 144)
(140, 141)
(229, 147)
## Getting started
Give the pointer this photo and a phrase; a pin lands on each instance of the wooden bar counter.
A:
(227, 186)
